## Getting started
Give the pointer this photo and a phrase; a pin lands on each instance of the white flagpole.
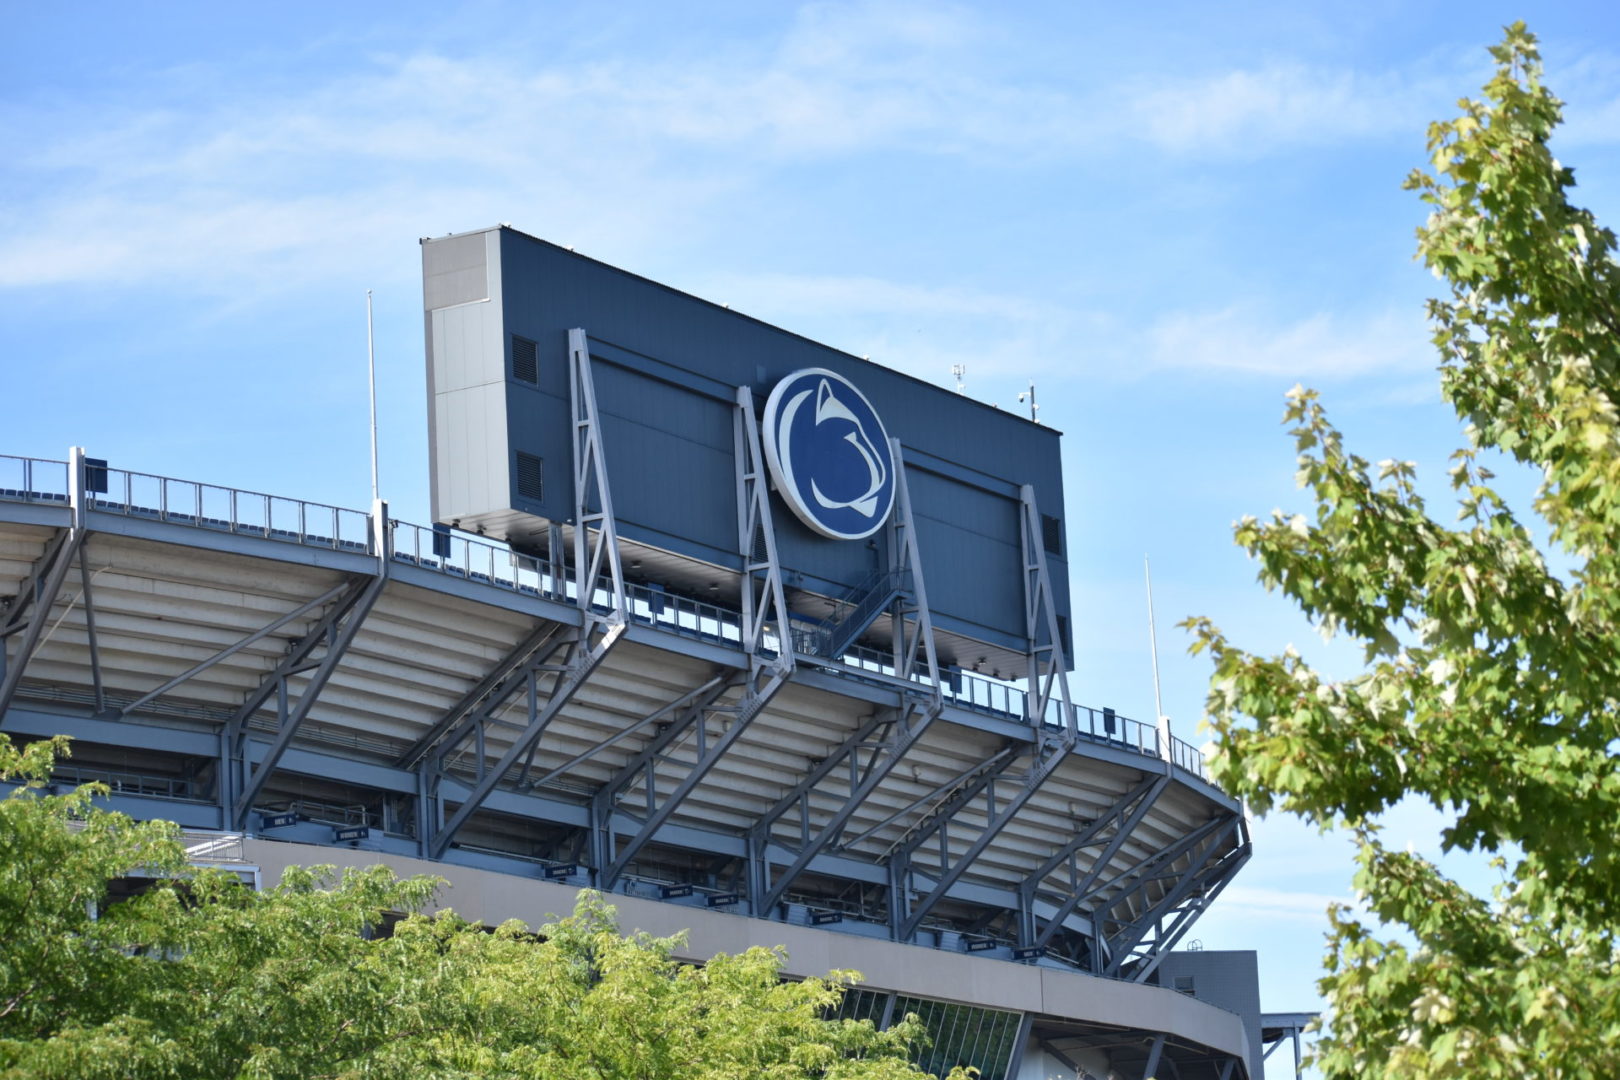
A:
(371, 353)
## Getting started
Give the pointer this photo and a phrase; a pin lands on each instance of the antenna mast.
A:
(371, 359)
(1153, 645)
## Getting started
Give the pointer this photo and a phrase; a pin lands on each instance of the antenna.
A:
(371, 363)
(959, 370)
(1153, 638)
(1029, 396)
(1153, 645)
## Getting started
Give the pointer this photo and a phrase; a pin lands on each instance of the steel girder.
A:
(593, 497)
(906, 725)
(38, 594)
(231, 650)
(491, 691)
(610, 859)
(1040, 620)
(1203, 879)
(583, 649)
(1125, 815)
(1098, 896)
(1150, 1068)
(36, 597)
(583, 657)
(910, 619)
(1182, 906)
(335, 630)
(85, 577)
(764, 603)
(1046, 754)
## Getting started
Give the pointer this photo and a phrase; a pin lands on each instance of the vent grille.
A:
(531, 476)
(525, 365)
(1052, 534)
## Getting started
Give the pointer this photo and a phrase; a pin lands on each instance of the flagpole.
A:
(371, 354)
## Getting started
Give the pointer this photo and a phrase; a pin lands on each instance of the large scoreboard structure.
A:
(766, 641)
(510, 320)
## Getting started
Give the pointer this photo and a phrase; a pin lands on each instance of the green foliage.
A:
(200, 977)
(1490, 682)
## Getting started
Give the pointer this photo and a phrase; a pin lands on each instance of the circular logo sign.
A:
(829, 454)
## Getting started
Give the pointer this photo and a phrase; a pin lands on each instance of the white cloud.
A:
(1320, 344)
(921, 330)
(1252, 112)
(1259, 902)
(305, 182)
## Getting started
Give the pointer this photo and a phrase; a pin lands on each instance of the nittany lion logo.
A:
(829, 454)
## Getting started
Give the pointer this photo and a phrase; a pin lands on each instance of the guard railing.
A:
(272, 517)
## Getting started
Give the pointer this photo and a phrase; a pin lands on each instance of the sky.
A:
(1163, 216)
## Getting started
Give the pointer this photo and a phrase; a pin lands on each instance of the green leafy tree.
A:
(201, 977)
(1490, 682)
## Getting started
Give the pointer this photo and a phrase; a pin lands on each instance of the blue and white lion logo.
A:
(829, 454)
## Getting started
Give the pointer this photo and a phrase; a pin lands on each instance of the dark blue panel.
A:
(667, 366)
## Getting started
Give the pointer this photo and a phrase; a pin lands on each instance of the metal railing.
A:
(247, 513)
(1184, 755)
(119, 782)
(33, 480)
(271, 517)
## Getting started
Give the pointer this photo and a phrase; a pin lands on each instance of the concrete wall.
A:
(490, 897)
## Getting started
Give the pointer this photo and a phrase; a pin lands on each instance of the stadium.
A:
(767, 642)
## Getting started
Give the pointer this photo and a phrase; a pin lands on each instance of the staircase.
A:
(857, 610)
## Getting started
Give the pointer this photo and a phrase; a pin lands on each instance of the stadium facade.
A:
(766, 641)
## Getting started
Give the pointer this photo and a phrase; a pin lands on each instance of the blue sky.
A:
(1164, 216)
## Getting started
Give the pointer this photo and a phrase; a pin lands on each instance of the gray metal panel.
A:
(467, 367)
(455, 271)
(1229, 979)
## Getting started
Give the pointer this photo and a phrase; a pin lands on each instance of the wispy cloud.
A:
(1254, 112)
(1320, 344)
(297, 183)
(1293, 905)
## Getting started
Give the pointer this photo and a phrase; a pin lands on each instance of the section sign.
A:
(829, 454)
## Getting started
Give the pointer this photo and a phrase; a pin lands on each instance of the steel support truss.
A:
(552, 663)
(856, 767)
(28, 612)
(711, 724)
(913, 625)
(713, 717)
(330, 637)
(1110, 830)
(1048, 669)
(561, 658)
(764, 604)
(1215, 851)
(1044, 755)
(596, 531)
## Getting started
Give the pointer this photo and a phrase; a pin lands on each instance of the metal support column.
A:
(1150, 1069)
(593, 498)
(1048, 667)
(336, 631)
(764, 604)
(1125, 815)
(1046, 755)
(602, 621)
(910, 723)
(912, 623)
(38, 594)
(569, 679)
(758, 690)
